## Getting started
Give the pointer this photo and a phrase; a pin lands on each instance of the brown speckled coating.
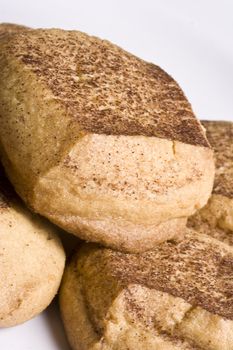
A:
(10, 28)
(220, 136)
(196, 269)
(106, 89)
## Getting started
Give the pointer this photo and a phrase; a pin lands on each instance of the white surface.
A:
(191, 40)
(44, 332)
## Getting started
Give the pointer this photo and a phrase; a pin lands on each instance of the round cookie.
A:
(176, 297)
(125, 235)
(97, 140)
(31, 260)
(216, 217)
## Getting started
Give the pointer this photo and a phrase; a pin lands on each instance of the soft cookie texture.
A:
(97, 140)
(31, 260)
(176, 297)
(216, 217)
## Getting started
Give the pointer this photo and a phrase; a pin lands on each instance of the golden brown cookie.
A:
(31, 259)
(99, 141)
(176, 297)
(216, 217)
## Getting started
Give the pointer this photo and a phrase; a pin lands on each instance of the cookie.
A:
(176, 297)
(216, 217)
(97, 140)
(31, 259)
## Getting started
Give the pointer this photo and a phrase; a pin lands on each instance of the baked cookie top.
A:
(104, 88)
(198, 269)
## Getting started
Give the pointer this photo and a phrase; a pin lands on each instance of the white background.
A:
(191, 39)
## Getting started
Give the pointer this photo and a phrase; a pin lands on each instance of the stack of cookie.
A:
(178, 296)
(106, 146)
